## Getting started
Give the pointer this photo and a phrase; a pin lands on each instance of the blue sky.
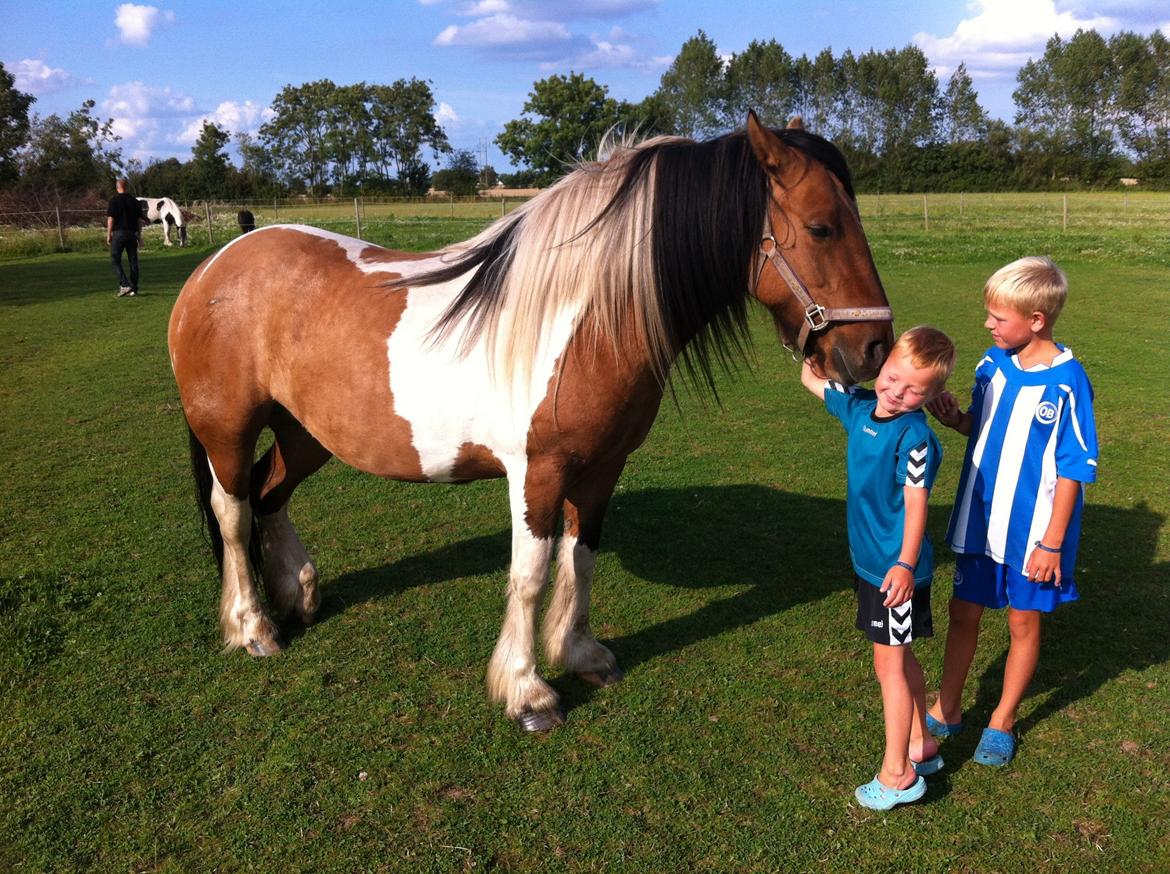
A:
(159, 69)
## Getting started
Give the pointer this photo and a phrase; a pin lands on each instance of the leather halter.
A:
(816, 317)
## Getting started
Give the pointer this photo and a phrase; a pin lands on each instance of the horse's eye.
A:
(821, 232)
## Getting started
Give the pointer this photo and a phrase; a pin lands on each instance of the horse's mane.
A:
(655, 243)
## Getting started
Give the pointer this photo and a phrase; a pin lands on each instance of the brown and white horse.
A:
(539, 351)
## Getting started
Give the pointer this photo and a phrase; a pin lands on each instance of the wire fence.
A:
(386, 219)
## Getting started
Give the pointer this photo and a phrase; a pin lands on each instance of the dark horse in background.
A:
(538, 350)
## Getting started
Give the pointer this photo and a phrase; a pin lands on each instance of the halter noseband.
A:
(816, 317)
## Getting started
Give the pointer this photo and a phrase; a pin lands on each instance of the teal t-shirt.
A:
(883, 456)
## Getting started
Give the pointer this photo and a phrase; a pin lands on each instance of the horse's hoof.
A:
(540, 720)
(600, 681)
(263, 647)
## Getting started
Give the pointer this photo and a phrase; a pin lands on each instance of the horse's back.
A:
(298, 318)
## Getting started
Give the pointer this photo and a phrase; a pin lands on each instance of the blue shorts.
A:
(981, 579)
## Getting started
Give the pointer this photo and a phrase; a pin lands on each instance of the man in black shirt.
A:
(123, 233)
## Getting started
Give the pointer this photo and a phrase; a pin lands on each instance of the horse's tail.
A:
(201, 471)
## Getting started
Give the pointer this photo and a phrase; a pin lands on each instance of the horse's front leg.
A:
(535, 493)
(568, 639)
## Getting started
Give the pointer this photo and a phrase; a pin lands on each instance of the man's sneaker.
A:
(125, 290)
(133, 292)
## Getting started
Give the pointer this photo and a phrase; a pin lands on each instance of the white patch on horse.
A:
(451, 399)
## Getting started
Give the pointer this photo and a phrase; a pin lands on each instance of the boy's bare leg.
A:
(923, 746)
(962, 638)
(1023, 655)
(889, 663)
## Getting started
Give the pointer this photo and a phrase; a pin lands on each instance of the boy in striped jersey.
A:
(891, 460)
(1031, 446)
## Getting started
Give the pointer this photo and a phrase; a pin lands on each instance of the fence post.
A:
(60, 233)
(451, 197)
(925, 215)
(501, 206)
(357, 218)
(207, 208)
(1064, 223)
(275, 211)
(961, 204)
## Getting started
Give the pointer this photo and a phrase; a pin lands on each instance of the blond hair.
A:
(928, 349)
(1029, 285)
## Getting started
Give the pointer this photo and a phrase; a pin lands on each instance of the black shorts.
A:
(892, 626)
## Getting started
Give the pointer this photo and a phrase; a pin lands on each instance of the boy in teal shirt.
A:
(891, 461)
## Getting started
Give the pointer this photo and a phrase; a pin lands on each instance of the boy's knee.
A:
(964, 613)
(1023, 623)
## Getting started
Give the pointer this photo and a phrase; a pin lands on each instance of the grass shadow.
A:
(757, 539)
(1115, 626)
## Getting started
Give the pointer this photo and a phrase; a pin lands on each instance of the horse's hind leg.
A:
(241, 615)
(568, 639)
(290, 577)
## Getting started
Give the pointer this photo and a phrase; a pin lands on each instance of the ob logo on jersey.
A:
(1046, 413)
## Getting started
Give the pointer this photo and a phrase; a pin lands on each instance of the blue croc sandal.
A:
(928, 766)
(996, 748)
(942, 729)
(877, 796)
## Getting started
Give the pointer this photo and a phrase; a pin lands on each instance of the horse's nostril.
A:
(877, 351)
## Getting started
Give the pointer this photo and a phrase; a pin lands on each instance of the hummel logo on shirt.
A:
(877, 623)
(868, 430)
(916, 466)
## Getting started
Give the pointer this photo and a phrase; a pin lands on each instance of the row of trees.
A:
(1089, 110)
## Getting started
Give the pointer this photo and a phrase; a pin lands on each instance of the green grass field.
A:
(748, 713)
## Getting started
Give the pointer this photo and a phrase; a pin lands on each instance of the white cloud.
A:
(38, 78)
(446, 114)
(485, 7)
(141, 113)
(1004, 34)
(137, 23)
(233, 117)
(502, 30)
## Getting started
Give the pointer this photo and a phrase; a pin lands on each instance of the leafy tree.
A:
(257, 176)
(461, 175)
(566, 118)
(71, 154)
(347, 141)
(760, 79)
(208, 174)
(167, 178)
(1067, 98)
(963, 119)
(694, 89)
(14, 124)
(402, 124)
(297, 135)
(1143, 98)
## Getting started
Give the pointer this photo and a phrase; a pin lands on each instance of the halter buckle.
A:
(814, 315)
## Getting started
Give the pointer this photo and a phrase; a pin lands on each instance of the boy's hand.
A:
(898, 586)
(1043, 567)
(945, 408)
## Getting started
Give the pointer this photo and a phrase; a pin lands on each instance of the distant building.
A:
(1128, 181)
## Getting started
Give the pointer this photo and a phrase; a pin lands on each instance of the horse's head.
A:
(824, 293)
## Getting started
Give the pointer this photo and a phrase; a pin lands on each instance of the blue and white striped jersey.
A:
(882, 458)
(1029, 428)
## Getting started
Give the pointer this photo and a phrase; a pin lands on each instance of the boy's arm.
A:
(899, 582)
(1044, 566)
(811, 381)
(945, 408)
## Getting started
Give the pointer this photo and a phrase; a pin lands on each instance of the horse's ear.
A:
(797, 123)
(770, 150)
